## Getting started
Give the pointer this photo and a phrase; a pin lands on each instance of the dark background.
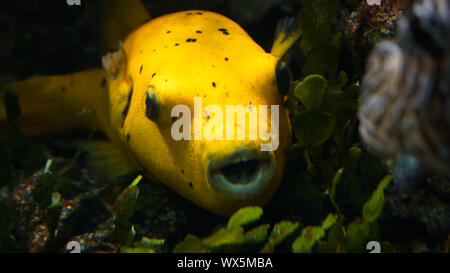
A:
(51, 37)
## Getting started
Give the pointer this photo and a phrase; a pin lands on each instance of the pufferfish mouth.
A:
(242, 173)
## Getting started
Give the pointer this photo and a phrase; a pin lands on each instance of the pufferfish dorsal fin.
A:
(287, 33)
(108, 161)
(120, 18)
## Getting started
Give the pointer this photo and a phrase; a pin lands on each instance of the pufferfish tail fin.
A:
(119, 19)
(286, 35)
(49, 104)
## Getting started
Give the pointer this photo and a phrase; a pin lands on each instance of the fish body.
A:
(193, 60)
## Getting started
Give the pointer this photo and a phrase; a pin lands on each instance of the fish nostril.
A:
(242, 172)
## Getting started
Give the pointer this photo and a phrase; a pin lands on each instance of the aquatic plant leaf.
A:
(316, 32)
(329, 221)
(341, 103)
(334, 184)
(311, 90)
(233, 235)
(125, 204)
(312, 127)
(351, 162)
(136, 250)
(145, 245)
(312, 234)
(325, 10)
(279, 232)
(124, 209)
(357, 235)
(336, 85)
(334, 239)
(150, 243)
(342, 79)
(190, 244)
(43, 190)
(320, 41)
(53, 213)
(373, 207)
(322, 60)
(257, 234)
(245, 216)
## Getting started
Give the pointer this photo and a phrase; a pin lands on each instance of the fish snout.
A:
(242, 173)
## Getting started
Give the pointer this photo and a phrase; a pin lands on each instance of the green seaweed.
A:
(331, 236)
(311, 235)
(245, 216)
(124, 209)
(279, 233)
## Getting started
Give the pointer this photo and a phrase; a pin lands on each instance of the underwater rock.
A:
(405, 116)
(369, 24)
(422, 211)
(99, 240)
(405, 105)
(43, 217)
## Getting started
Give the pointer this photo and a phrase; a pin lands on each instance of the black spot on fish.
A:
(198, 31)
(222, 29)
(154, 74)
(140, 69)
(189, 13)
(154, 49)
(226, 32)
(177, 44)
(226, 59)
(194, 40)
(182, 171)
(188, 40)
(199, 13)
(168, 31)
(128, 137)
(127, 107)
(103, 83)
(151, 105)
(191, 185)
(213, 84)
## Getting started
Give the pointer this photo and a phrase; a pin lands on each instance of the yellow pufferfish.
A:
(165, 62)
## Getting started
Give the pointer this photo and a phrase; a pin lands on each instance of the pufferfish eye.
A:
(284, 77)
(151, 103)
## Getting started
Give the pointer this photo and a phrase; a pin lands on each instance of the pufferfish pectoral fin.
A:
(115, 66)
(114, 62)
(109, 161)
(286, 35)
